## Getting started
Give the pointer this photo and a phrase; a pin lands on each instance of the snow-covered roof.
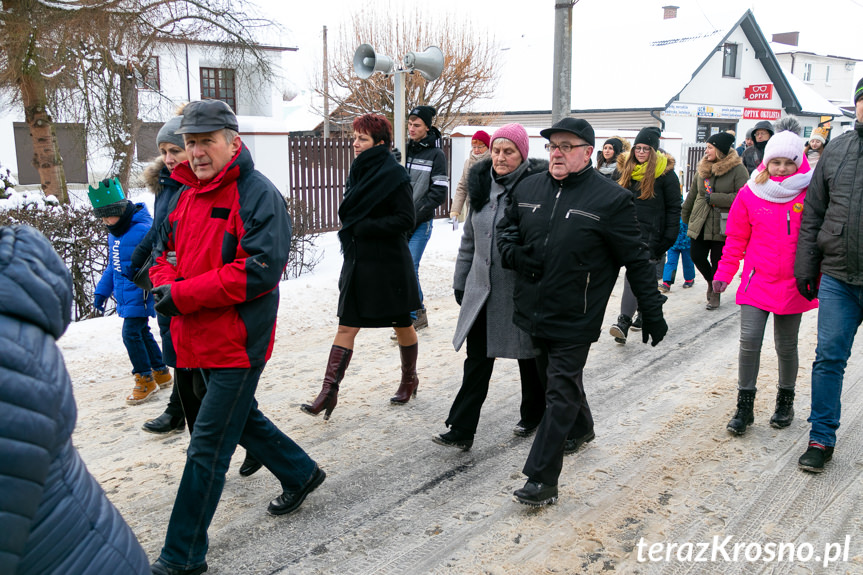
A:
(780, 48)
(811, 102)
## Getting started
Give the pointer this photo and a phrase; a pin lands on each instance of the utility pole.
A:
(326, 89)
(562, 85)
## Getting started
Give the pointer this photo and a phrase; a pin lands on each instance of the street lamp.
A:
(429, 63)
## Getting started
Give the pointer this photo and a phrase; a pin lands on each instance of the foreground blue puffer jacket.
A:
(54, 516)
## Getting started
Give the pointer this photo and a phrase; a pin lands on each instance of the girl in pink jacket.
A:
(762, 231)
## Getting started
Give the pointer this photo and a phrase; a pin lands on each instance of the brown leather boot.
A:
(327, 399)
(410, 381)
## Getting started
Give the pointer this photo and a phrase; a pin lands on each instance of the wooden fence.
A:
(318, 170)
(693, 154)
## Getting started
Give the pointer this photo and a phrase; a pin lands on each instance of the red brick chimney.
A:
(669, 12)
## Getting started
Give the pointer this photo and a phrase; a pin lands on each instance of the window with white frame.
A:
(729, 60)
(807, 72)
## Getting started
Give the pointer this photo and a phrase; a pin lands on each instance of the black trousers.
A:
(465, 410)
(190, 388)
(700, 249)
(567, 413)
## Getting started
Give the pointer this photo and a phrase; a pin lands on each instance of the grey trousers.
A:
(785, 327)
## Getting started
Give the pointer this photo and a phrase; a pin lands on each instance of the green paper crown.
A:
(108, 192)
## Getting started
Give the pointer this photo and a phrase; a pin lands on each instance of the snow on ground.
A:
(662, 470)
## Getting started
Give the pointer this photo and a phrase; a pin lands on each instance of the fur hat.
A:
(516, 134)
(819, 134)
(108, 199)
(785, 144)
(424, 113)
(650, 136)
(483, 137)
(722, 141)
(575, 126)
(168, 133)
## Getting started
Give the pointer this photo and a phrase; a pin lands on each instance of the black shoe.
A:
(523, 429)
(250, 465)
(784, 414)
(536, 494)
(165, 423)
(815, 458)
(620, 330)
(636, 323)
(159, 568)
(288, 501)
(744, 415)
(453, 438)
(573, 445)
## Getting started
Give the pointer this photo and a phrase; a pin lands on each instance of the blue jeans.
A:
(671, 265)
(144, 352)
(840, 311)
(417, 245)
(228, 415)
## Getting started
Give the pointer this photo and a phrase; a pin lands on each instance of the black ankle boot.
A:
(620, 330)
(250, 465)
(784, 414)
(165, 423)
(744, 415)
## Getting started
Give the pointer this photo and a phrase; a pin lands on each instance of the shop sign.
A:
(761, 114)
(759, 92)
(695, 110)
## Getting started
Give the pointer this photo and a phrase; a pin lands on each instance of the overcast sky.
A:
(826, 26)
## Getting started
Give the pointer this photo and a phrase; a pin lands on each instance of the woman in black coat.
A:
(377, 286)
(649, 175)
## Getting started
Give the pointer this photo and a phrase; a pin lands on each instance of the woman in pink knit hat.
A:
(762, 230)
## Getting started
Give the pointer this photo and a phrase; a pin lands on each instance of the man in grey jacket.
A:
(831, 244)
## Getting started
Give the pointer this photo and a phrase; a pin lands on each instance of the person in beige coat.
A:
(479, 145)
(719, 177)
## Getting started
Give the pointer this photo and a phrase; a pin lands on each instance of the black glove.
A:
(653, 328)
(164, 302)
(459, 294)
(99, 303)
(807, 287)
(524, 264)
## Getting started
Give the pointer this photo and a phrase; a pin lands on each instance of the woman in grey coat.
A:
(484, 290)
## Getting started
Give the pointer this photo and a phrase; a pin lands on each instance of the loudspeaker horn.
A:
(366, 62)
(429, 63)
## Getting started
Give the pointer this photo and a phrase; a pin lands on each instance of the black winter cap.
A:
(858, 92)
(615, 143)
(207, 116)
(424, 113)
(650, 136)
(575, 126)
(721, 141)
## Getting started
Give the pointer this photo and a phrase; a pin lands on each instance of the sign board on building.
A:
(759, 92)
(704, 111)
(761, 114)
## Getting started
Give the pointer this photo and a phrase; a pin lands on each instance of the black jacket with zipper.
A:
(583, 229)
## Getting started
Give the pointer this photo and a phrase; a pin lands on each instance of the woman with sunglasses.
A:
(649, 174)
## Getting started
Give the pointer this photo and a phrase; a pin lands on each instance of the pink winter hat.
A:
(516, 134)
(482, 136)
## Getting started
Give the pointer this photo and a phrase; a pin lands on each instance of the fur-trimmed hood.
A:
(706, 169)
(150, 175)
(479, 179)
(623, 156)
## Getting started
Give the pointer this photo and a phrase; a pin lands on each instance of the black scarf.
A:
(125, 221)
(374, 175)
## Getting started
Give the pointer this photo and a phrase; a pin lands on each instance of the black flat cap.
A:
(576, 126)
(207, 116)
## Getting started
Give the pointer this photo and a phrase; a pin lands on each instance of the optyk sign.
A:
(759, 92)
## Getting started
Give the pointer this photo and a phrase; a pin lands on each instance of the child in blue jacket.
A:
(680, 250)
(127, 224)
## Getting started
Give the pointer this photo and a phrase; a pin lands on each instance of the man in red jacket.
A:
(231, 234)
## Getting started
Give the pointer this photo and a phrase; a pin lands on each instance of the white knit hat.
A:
(784, 145)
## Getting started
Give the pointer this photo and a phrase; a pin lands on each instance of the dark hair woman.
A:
(719, 176)
(606, 158)
(484, 291)
(649, 174)
(377, 286)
